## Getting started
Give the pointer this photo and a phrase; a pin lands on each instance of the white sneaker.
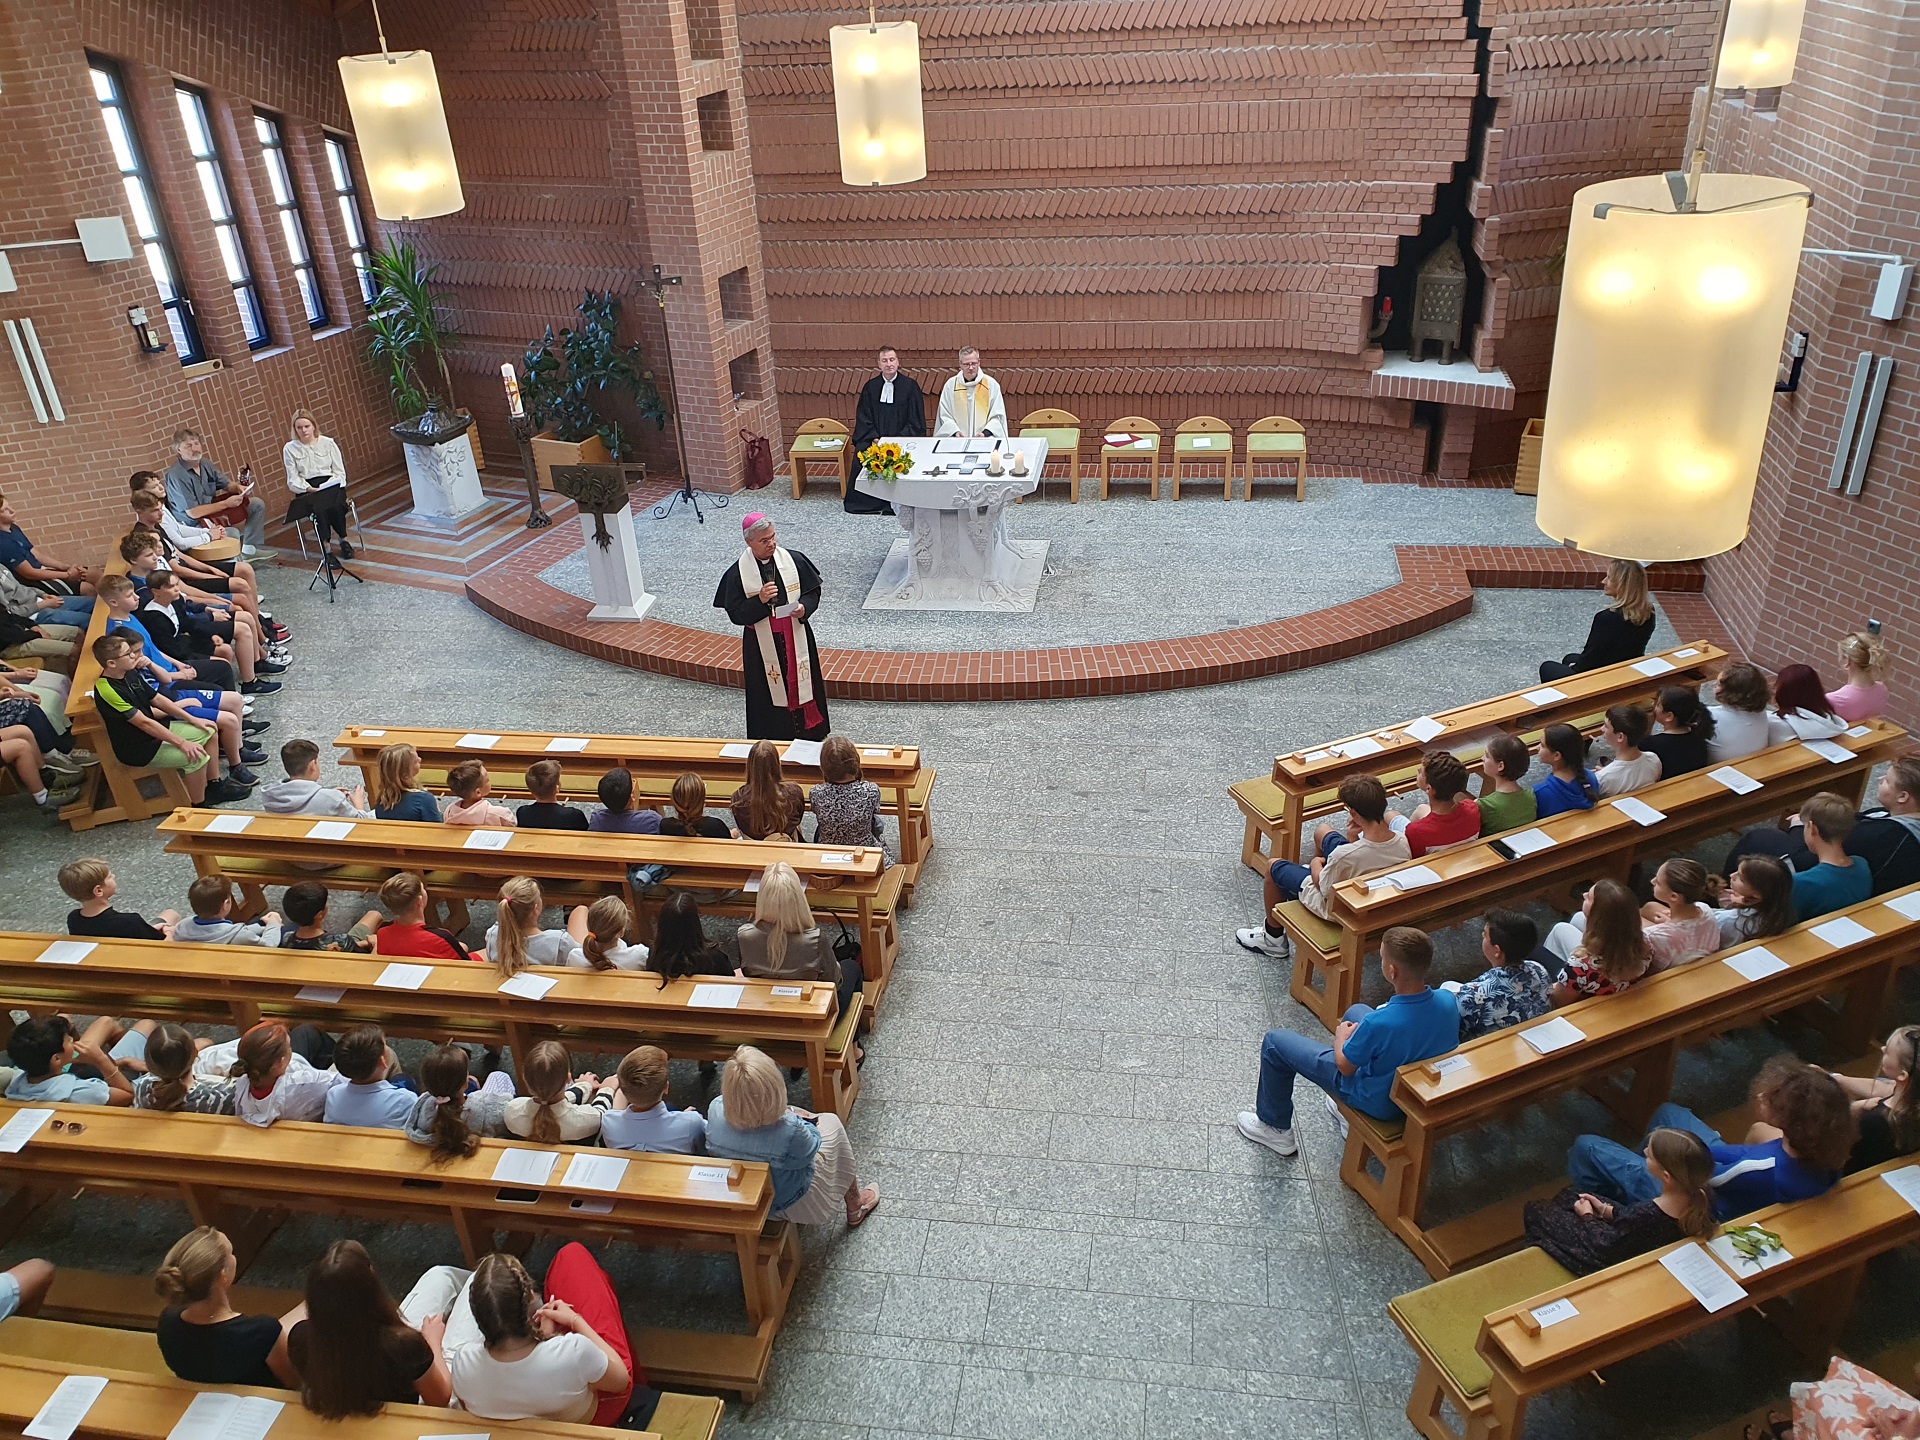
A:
(1334, 1111)
(1281, 1142)
(248, 551)
(1257, 939)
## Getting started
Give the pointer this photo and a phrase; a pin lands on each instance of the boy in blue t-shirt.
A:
(644, 1122)
(44, 1048)
(1416, 1023)
(373, 1097)
(1837, 879)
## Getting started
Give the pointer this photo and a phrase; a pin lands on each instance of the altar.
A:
(957, 554)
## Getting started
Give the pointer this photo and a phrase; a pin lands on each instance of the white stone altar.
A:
(445, 483)
(957, 554)
(619, 589)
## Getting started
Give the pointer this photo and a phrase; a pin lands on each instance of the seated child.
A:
(1837, 879)
(170, 1083)
(1684, 740)
(396, 793)
(557, 1108)
(1607, 951)
(306, 927)
(1886, 1108)
(92, 884)
(1865, 694)
(1451, 816)
(1800, 708)
(1754, 902)
(1367, 844)
(1794, 1152)
(301, 793)
(281, 1069)
(406, 931)
(516, 940)
(544, 811)
(452, 1115)
(617, 813)
(1416, 1023)
(44, 1048)
(1623, 731)
(846, 806)
(1885, 835)
(1505, 804)
(149, 730)
(1515, 989)
(690, 816)
(471, 785)
(1679, 929)
(370, 1097)
(1739, 712)
(644, 1122)
(605, 945)
(1586, 1233)
(211, 900)
(1570, 785)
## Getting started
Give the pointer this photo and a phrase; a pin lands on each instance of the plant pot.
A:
(549, 452)
(473, 439)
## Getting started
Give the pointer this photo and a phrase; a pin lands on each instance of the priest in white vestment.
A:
(971, 403)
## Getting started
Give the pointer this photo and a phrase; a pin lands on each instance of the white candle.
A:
(512, 382)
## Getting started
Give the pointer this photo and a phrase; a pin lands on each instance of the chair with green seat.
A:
(1276, 438)
(1204, 440)
(1142, 445)
(822, 442)
(1061, 430)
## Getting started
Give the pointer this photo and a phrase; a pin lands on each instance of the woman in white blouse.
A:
(317, 475)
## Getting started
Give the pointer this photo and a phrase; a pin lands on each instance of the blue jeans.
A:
(1289, 876)
(72, 610)
(1603, 1167)
(1285, 1054)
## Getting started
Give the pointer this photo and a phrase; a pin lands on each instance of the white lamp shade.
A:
(1761, 44)
(876, 100)
(402, 130)
(1664, 364)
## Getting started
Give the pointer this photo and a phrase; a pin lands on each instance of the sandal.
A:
(859, 1217)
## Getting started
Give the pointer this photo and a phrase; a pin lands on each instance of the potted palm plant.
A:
(408, 331)
(568, 378)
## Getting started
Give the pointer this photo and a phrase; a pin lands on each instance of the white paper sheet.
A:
(228, 824)
(837, 857)
(525, 1167)
(1735, 780)
(1553, 1314)
(785, 992)
(1686, 654)
(1529, 842)
(1202, 442)
(1701, 1276)
(736, 750)
(1412, 878)
(1425, 728)
(65, 952)
(1653, 665)
(1314, 757)
(403, 977)
(751, 885)
(487, 840)
(477, 742)
(785, 612)
(715, 997)
(1359, 749)
(1906, 1183)
(1856, 731)
(1844, 930)
(528, 987)
(320, 994)
(1638, 811)
(66, 1407)
(1447, 1064)
(595, 1172)
(22, 1127)
(1740, 1265)
(1556, 1034)
(566, 744)
(875, 754)
(1828, 751)
(1907, 905)
(802, 752)
(828, 442)
(1755, 964)
(215, 1415)
(331, 830)
(716, 1173)
(371, 734)
(1545, 695)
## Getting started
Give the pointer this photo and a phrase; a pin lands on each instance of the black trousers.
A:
(328, 508)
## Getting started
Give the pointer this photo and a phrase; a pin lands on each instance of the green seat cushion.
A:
(1278, 444)
(1386, 1129)
(1261, 796)
(243, 865)
(1123, 449)
(1058, 441)
(1220, 449)
(922, 788)
(1323, 935)
(844, 1027)
(1446, 1315)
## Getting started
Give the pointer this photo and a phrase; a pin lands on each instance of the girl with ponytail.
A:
(557, 1108)
(450, 1118)
(515, 940)
(280, 1081)
(170, 1083)
(605, 945)
(1586, 1233)
(1887, 1106)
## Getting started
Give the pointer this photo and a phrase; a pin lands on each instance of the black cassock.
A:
(876, 419)
(768, 717)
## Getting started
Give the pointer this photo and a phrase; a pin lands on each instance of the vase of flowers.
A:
(886, 460)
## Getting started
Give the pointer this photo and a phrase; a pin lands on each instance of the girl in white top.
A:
(1801, 710)
(315, 467)
(605, 947)
(1739, 711)
(557, 1109)
(1631, 767)
(278, 1084)
(516, 940)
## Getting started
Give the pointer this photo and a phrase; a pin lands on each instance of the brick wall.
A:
(69, 480)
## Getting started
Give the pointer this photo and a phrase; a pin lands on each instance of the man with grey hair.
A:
(971, 403)
(772, 593)
(196, 490)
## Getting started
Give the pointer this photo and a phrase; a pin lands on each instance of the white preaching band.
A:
(971, 403)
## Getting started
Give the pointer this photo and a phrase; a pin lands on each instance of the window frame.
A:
(137, 175)
(270, 131)
(346, 192)
(216, 190)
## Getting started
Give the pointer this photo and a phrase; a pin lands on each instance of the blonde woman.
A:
(317, 479)
(515, 940)
(202, 1337)
(783, 942)
(810, 1156)
(1865, 693)
(1619, 632)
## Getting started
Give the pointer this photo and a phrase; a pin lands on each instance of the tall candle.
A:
(512, 382)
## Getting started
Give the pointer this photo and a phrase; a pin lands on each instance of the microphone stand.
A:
(686, 492)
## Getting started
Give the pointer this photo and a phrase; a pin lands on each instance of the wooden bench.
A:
(573, 867)
(608, 1011)
(245, 1180)
(1588, 845)
(1304, 783)
(1483, 1354)
(1640, 1032)
(656, 762)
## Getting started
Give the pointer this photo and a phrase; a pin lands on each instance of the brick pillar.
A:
(691, 166)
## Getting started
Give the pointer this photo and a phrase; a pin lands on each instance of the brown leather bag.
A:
(759, 461)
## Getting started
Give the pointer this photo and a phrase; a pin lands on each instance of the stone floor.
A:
(1073, 1241)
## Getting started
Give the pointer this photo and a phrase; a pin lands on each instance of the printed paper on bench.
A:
(1737, 781)
(22, 1128)
(715, 997)
(1545, 695)
(595, 1172)
(66, 1407)
(65, 952)
(1828, 751)
(1741, 1265)
(331, 830)
(1756, 964)
(320, 994)
(1425, 728)
(487, 840)
(1907, 905)
(1906, 1183)
(1653, 665)
(528, 987)
(477, 742)
(736, 750)
(1638, 811)
(1412, 878)
(1556, 1034)
(228, 824)
(802, 752)
(566, 744)
(1702, 1277)
(403, 977)
(373, 733)
(1357, 749)
(525, 1167)
(1529, 842)
(1843, 930)
(216, 1415)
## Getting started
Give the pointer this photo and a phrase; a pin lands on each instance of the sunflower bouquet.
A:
(886, 460)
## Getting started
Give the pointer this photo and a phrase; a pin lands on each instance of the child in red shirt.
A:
(407, 933)
(1451, 814)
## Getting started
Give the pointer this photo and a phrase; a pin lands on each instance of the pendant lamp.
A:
(876, 102)
(1762, 43)
(402, 129)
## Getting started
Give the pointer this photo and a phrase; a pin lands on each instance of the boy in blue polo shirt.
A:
(644, 1122)
(369, 1098)
(1416, 1023)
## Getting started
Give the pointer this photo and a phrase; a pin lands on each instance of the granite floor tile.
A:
(1002, 1253)
(1180, 1414)
(1180, 1270)
(1150, 1144)
(1021, 1404)
(929, 1307)
(1129, 1326)
(1269, 1338)
(1047, 1186)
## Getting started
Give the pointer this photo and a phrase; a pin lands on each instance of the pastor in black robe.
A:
(767, 716)
(877, 419)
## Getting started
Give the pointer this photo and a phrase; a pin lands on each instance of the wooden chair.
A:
(1279, 439)
(1204, 440)
(1061, 430)
(819, 442)
(1146, 447)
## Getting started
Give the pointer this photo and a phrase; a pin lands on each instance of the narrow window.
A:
(293, 225)
(226, 228)
(340, 164)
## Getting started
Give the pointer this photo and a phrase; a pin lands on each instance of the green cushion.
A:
(1446, 1315)
(1059, 442)
(1136, 445)
(1220, 449)
(1261, 796)
(1387, 1130)
(1278, 444)
(1322, 935)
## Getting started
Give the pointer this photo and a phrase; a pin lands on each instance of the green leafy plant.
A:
(408, 328)
(567, 377)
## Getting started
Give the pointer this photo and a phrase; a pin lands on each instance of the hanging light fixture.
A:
(402, 129)
(1761, 44)
(876, 102)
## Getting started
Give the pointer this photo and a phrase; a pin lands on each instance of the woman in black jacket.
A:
(1619, 632)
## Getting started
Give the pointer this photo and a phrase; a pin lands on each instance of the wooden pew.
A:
(571, 866)
(1634, 1307)
(1303, 784)
(1641, 1031)
(609, 1011)
(656, 762)
(245, 1179)
(1588, 845)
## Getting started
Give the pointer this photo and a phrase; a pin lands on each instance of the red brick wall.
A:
(69, 480)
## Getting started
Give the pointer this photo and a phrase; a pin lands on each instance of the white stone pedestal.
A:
(445, 483)
(619, 590)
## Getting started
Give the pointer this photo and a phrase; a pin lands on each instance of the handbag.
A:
(846, 948)
(759, 461)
